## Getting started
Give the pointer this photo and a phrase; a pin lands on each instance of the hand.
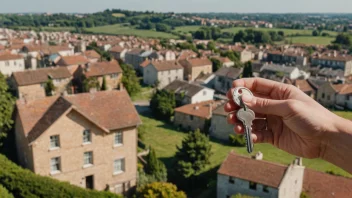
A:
(294, 122)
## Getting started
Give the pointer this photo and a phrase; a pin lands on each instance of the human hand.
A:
(294, 122)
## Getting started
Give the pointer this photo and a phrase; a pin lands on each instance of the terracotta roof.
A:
(109, 110)
(220, 110)
(166, 65)
(223, 59)
(257, 171)
(103, 68)
(7, 56)
(229, 72)
(145, 63)
(30, 77)
(135, 51)
(318, 184)
(187, 54)
(195, 62)
(303, 85)
(116, 49)
(202, 109)
(91, 54)
(73, 60)
(345, 89)
(338, 87)
(335, 58)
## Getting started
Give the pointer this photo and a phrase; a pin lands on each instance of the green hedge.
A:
(23, 183)
(4, 193)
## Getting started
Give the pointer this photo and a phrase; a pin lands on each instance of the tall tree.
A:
(247, 70)
(155, 167)
(216, 64)
(163, 104)
(7, 102)
(343, 39)
(104, 85)
(194, 154)
(130, 80)
(49, 87)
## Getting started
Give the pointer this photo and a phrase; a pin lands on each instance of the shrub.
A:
(23, 183)
(237, 140)
(5, 193)
(160, 190)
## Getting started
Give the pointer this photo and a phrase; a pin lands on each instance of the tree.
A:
(201, 47)
(130, 80)
(155, 167)
(216, 64)
(239, 37)
(315, 33)
(90, 83)
(194, 154)
(5, 193)
(160, 27)
(7, 102)
(163, 104)
(49, 87)
(247, 70)
(211, 46)
(103, 85)
(343, 39)
(160, 190)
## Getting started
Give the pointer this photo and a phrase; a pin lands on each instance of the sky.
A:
(239, 6)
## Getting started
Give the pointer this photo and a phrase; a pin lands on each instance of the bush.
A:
(5, 193)
(160, 190)
(23, 183)
(163, 104)
(237, 140)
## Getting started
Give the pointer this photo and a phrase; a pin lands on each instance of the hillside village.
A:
(77, 119)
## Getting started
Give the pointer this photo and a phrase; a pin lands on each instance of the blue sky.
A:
(273, 6)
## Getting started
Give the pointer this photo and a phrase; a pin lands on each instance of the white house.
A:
(10, 63)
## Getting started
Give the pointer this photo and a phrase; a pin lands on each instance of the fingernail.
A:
(247, 98)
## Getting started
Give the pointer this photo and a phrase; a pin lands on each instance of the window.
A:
(328, 97)
(118, 189)
(14, 63)
(323, 95)
(176, 77)
(87, 138)
(231, 180)
(119, 166)
(7, 63)
(252, 186)
(54, 141)
(204, 93)
(169, 80)
(113, 76)
(55, 164)
(88, 158)
(118, 138)
(191, 117)
(266, 189)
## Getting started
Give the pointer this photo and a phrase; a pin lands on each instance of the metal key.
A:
(246, 116)
(237, 95)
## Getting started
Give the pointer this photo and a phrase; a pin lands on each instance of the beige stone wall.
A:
(184, 121)
(207, 69)
(111, 83)
(246, 56)
(291, 184)
(326, 95)
(348, 68)
(166, 77)
(70, 127)
(10, 66)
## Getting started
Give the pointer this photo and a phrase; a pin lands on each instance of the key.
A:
(237, 95)
(246, 116)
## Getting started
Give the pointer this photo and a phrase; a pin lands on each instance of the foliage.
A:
(187, 45)
(104, 85)
(254, 36)
(304, 195)
(144, 179)
(241, 196)
(130, 80)
(7, 102)
(5, 193)
(161, 27)
(160, 190)
(163, 104)
(155, 167)
(194, 154)
(49, 87)
(237, 140)
(343, 39)
(332, 172)
(315, 33)
(105, 56)
(23, 183)
(335, 46)
(207, 33)
(211, 46)
(201, 47)
(216, 64)
(247, 70)
(90, 83)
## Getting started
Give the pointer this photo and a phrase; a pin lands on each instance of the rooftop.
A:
(30, 77)
(73, 60)
(103, 68)
(166, 65)
(202, 109)
(229, 72)
(178, 86)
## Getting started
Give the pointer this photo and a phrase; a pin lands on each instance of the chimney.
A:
(87, 67)
(298, 161)
(335, 53)
(258, 156)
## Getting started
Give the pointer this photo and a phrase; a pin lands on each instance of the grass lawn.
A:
(118, 15)
(164, 138)
(127, 30)
(286, 31)
(314, 40)
(345, 114)
(145, 94)
(50, 29)
(187, 29)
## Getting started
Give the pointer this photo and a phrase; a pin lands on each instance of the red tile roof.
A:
(91, 54)
(116, 49)
(7, 56)
(303, 85)
(145, 63)
(195, 62)
(202, 109)
(166, 65)
(103, 68)
(187, 54)
(73, 60)
(257, 171)
(30, 77)
(109, 110)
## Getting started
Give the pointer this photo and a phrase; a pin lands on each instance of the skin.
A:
(292, 121)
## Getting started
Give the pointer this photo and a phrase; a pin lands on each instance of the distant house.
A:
(258, 178)
(307, 87)
(332, 75)
(344, 97)
(167, 55)
(277, 72)
(220, 128)
(136, 56)
(72, 62)
(30, 84)
(195, 116)
(224, 78)
(92, 56)
(333, 60)
(287, 57)
(88, 140)
(187, 93)
(195, 67)
(118, 52)
(326, 94)
(10, 63)
(245, 55)
(185, 54)
(111, 71)
(225, 62)
(162, 73)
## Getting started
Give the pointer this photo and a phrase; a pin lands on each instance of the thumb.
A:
(266, 106)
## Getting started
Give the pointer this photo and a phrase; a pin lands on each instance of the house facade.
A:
(10, 63)
(92, 56)
(195, 67)
(224, 78)
(118, 52)
(220, 128)
(294, 58)
(133, 57)
(30, 84)
(274, 72)
(72, 62)
(162, 73)
(89, 140)
(326, 94)
(333, 60)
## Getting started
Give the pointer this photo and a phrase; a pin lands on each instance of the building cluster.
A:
(90, 139)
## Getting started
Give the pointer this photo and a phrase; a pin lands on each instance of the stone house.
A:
(88, 140)
(92, 56)
(118, 52)
(195, 116)
(344, 97)
(287, 57)
(326, 94)
(10, 63)
(220, 128)
(30, 84)
(187, 93)
(133, 57)
(245, 55)
(184, 54)
(195, 67)
(167, 55)
(306, 86)
(162, 73)
(111, 71)
(224, 78)
(226, 62)
(277, 72)
(333, 60)
(73, 62)
(258, 178)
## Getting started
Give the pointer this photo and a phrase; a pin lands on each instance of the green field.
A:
(50, 29)
(145, 94)
(117, 29)
(286, 31)
(187, 29)
(314, 40)
(164, 138)
(118, 15)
